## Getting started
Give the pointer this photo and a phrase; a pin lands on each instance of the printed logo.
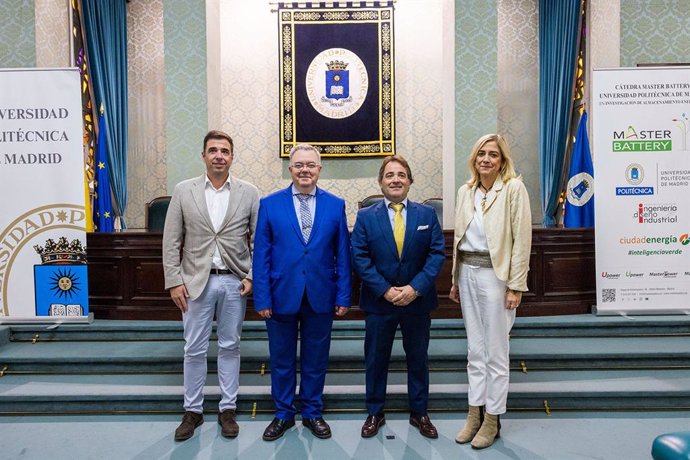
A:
(630, 191)
(656, 214)
(580, 189)
(644, 239)
(633, 275)
(634, 174)
(664, 274)
(60, 279)
(337, 83)
(648, 140)
(610, 276)
(13, 239)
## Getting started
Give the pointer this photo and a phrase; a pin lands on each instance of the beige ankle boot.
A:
(490, 430)
(475, 417)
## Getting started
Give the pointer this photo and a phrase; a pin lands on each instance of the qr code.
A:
(608, 295)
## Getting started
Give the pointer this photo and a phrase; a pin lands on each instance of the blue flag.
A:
(103, 215)
(579, 205)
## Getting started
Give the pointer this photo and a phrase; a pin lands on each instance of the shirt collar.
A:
(297, 192)
(387, 202)
(226, 184)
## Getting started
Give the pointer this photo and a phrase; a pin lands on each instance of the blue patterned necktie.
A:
(305, 215)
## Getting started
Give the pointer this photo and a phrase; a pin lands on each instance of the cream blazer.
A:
(508, 228)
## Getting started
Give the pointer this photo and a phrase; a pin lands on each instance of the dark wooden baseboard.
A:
(126, 277)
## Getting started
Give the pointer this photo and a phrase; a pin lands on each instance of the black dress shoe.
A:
(424, 425)
(372, 425)
(277, 428)
(318, 427)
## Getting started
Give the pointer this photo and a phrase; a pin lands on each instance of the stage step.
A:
(563, 363)
(648, 352)
(548, 326)
(147, 393)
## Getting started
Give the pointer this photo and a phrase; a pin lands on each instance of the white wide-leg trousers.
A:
(488, 323)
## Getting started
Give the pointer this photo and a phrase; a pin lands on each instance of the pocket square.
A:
(423, 227)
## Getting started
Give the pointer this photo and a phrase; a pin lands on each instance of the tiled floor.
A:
(525, 435)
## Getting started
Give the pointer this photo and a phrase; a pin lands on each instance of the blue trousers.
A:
(378, 343)
(313, 330)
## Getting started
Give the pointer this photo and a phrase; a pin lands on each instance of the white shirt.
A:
(391, 212)
(474, 239)
(217, 205)
(311, 203)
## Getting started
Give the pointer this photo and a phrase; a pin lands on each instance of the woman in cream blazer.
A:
(493, 237)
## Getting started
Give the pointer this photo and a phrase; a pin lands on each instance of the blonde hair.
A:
(507, 171)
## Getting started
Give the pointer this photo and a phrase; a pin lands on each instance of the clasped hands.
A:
(400, 296)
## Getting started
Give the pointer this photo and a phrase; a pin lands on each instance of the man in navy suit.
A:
(302, 275)
(398, 251)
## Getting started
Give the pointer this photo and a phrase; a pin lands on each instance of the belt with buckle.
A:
(221, 271)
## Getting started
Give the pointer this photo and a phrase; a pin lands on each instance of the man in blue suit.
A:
(398, 251)
(302, 275)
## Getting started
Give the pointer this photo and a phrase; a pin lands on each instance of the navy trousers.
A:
(378, 343)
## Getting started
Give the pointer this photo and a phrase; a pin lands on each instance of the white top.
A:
(217, 204)
(474, 238)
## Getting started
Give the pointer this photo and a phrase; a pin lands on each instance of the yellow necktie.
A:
(398, 227)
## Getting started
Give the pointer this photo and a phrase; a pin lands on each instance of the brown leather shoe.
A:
(190, 420)
(423, 423)
(229, 427)
(372, 425)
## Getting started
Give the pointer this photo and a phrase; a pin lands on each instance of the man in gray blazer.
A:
(207, 253)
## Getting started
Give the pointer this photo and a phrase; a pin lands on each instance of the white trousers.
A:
(222, 297)
(488, 323)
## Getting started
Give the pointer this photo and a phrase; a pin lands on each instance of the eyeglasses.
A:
(300, 166)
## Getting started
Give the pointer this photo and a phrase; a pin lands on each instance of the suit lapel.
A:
(319, 210)
(493, 193)
(410, 225)
(199, 196)
(289, 210)
(236, 195)
(385, 224)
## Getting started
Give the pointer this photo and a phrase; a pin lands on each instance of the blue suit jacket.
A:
(284, 265)
(375, 257)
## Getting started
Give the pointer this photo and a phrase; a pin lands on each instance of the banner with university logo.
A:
(337, 77)
(641, 133)
(43, 272)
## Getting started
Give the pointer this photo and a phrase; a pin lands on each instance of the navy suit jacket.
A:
(284, 265)
(375, 257)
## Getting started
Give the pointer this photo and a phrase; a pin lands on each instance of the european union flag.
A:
(579, 205)
(103, 217)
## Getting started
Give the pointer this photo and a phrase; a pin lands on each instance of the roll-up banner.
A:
(641, 132)
(43, 274)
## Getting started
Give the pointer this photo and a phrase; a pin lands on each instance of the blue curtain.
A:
(558, 36)
(105, 25)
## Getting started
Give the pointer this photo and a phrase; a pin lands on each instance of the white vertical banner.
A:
(42, 223)
(641, 149)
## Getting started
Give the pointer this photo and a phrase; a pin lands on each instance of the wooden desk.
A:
(126, 276)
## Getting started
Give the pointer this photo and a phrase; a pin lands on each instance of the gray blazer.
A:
(189, 239)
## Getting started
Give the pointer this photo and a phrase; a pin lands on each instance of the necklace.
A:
(483, 200)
